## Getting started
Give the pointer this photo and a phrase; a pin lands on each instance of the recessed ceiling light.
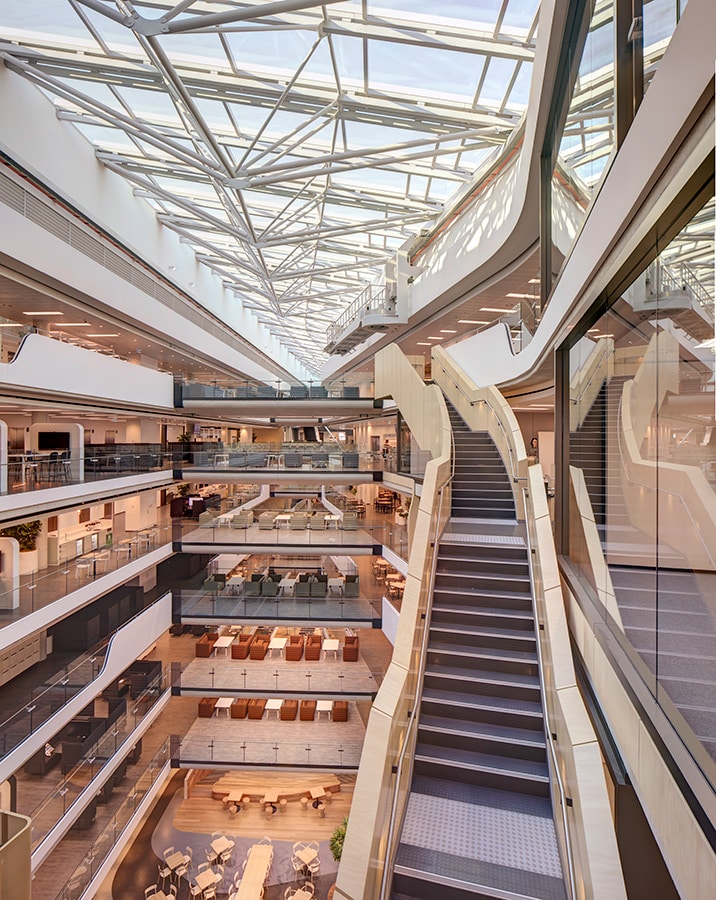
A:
(533, 281)
(448, 331)
(102, 334)
(422, 344)
(435, 337)
(10, 325)
(473, 322)
(74, 324)
(500, 309)
(522, 296)
(55, 312)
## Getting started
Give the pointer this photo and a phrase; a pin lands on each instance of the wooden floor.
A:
(204, 815)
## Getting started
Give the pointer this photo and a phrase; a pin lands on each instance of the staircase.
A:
(479, 818)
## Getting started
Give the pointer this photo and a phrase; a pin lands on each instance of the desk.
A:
(324, 706)
(330, 645)
(277, 644)
(282, 519)
(223, 703)
(223, 643)
(257, 868)
(274, 705)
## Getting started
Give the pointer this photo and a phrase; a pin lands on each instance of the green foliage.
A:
(336, 840)
(183, 489)
(25, 534)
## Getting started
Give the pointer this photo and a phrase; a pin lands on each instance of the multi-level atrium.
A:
(357, 433)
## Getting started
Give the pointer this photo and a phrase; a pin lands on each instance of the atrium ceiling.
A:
(294, 145)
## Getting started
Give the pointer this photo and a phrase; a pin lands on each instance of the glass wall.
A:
(588, 137)
(642, 526)
(660, 20)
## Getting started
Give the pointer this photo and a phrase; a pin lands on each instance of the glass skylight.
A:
(323, 136)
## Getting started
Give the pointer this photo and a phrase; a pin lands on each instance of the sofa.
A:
(289, 710)
(308, 710)
(256, 707)
(340, 710)
(239, 708)
(206, 707)
(350, 648)
(259, 647)
(205, 644)
(314, 643)
(241, 646)
(294, 648)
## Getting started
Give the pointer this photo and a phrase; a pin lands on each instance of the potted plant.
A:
(336, 840)
(26, 535)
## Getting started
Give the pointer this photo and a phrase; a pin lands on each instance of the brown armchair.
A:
(308, 710)
(239, 708)
(256, 707)
(259, 647)
(206, 707)
(205, 644)
(289, 709)
(350, 648)
(340, 710)
(313, 647)
(241, 646)
(294, 648)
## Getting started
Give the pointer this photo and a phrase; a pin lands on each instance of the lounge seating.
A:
(266, 521)
(302, 589)
(256, 461)
(340, 710)
(308, 710)
(240, 647)
(259, 647)
(350, 521)
(320, 460)
(237, 460)
(317, 522)
(239, 708)
(269, 588)
(289, 710)
(256, 707)
(319, 587)
(206, 707)
(205, 645)
(292, 460)
(298, 521)
(350, 648)
(313, 647)
(352, 586)
(318, 392)
(294, 648)
(252, 589)
(298, 391)
(351, 392)
(243, 519)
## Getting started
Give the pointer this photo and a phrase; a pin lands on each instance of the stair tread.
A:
(488, 702)
(525, 768)
(480, 631)
(484, 676)
(497, 653)
(509, 734)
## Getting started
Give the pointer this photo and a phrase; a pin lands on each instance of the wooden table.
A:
(208, 878)
(220, 844)
(257, 868)
(235, 797)
(316, 793)
(307, 855)
(175, 860)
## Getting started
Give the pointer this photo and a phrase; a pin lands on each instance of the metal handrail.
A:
(548, 730)
(390, 843)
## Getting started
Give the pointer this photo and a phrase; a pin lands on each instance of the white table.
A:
(223, 643)
(331, 520)
(274, 705)
(331, 645)
(223, 703)
(285, 584)
(336, 584)
(236, 581)
(324, 706)
(277, 644)
(282, 519)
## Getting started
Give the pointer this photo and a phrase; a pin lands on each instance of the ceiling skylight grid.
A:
(294, 145)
